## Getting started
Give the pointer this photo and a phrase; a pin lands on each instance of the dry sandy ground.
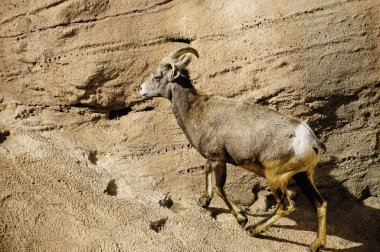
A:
(84, 161)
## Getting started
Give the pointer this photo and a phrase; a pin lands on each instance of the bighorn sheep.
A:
(243, 134)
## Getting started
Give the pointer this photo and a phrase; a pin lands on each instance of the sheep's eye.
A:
(156, 77)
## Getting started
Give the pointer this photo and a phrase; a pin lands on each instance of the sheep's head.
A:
(166, 74)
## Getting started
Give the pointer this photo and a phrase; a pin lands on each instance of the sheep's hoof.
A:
(242, 221)
(310, 249)
(204, 201)
(256, 231)
(316, 245)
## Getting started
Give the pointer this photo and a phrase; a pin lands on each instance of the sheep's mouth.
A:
(143, 90)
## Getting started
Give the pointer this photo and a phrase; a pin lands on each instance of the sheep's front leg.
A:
(205, 199)
(220, 174)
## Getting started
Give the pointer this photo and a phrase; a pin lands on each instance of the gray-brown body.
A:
(241, 139)
(249, 135)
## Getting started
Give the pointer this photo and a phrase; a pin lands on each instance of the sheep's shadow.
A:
(272, 238)
(215, 211)
(347, 218)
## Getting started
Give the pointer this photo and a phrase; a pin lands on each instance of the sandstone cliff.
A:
(84, 160)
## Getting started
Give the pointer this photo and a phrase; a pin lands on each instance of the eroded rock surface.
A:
(71, 120)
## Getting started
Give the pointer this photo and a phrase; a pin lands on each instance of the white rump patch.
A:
(304, 140)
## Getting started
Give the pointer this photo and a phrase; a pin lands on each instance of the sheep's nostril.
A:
(140, 87)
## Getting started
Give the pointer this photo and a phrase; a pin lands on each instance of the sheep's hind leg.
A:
(220, 173)
(284, 207)
(305, 181)
(205, 199)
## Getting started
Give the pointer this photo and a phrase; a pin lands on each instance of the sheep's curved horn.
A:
(180, 51)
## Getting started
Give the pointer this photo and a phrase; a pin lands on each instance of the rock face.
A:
(73, 128)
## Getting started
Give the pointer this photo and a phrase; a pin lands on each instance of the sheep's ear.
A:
(174, 70)
(175, 73)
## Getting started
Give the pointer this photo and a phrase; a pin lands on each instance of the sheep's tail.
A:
(321, 145)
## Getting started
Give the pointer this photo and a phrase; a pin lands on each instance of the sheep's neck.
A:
(182, 101)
